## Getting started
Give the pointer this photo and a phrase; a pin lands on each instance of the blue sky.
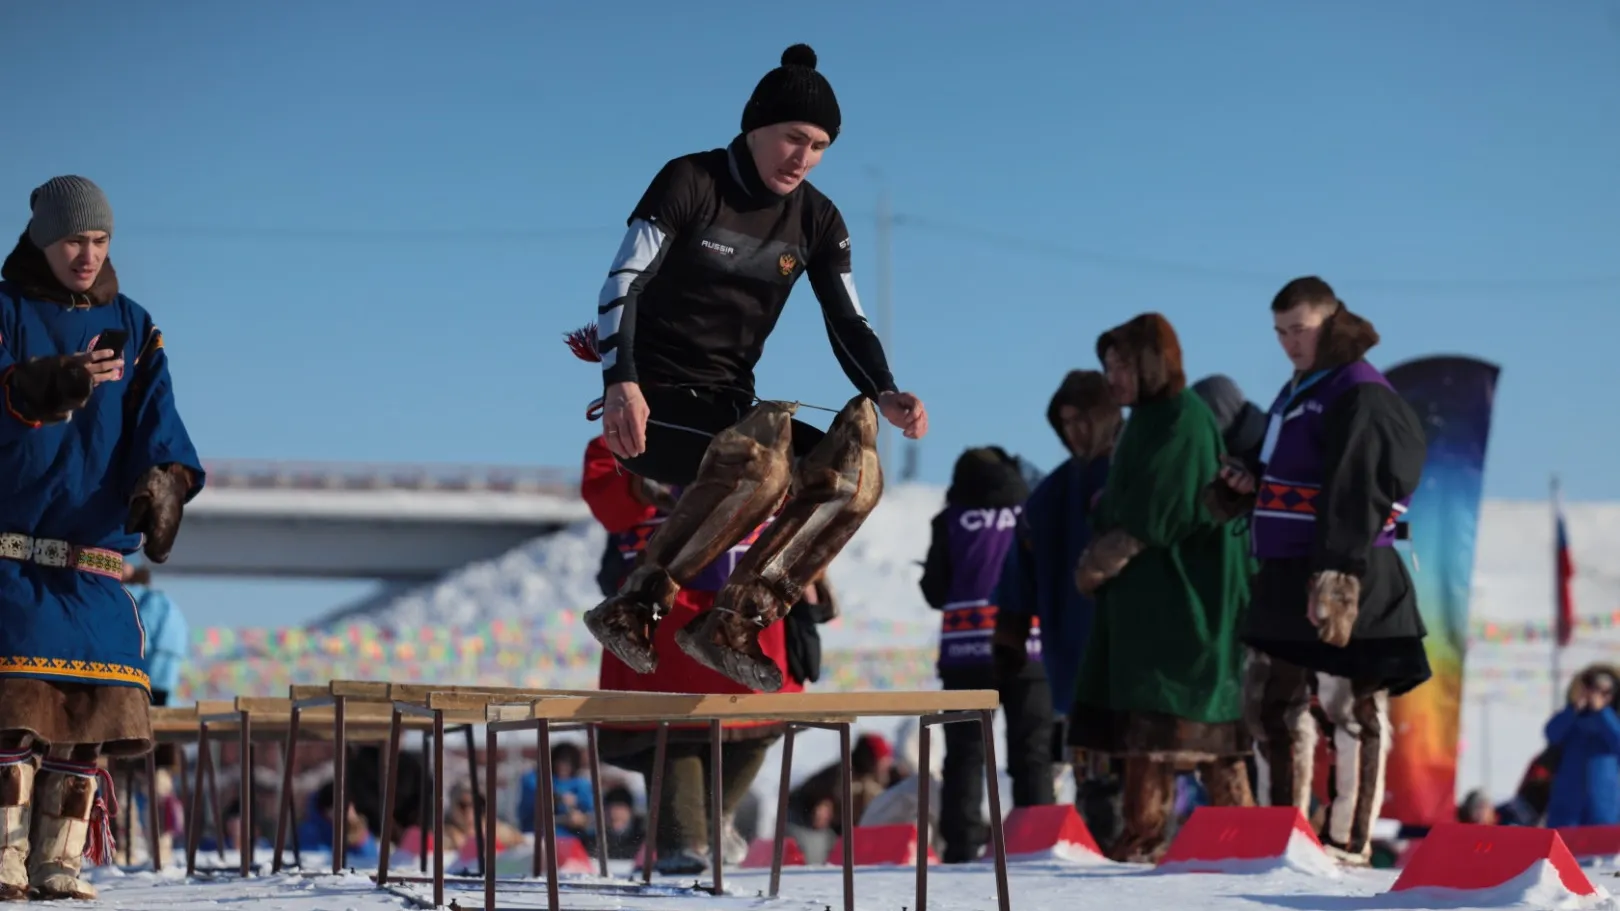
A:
(364, 227)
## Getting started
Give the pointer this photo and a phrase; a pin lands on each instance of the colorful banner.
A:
(1454, 397)
(552, 651)
(1539, 632)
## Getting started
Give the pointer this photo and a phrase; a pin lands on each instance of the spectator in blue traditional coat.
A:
(95, 464)
(574, 802)
(1586, 786)
(971, 537)
(1037, 581)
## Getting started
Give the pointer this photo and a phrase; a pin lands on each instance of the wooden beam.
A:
(755, 706)
(467, 699)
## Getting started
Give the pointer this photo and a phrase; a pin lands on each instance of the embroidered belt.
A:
(62, 555)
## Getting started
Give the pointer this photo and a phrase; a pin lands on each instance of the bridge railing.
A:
(266, 474)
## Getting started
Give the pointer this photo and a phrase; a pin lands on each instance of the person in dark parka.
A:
(1037, 581)
(971, 537)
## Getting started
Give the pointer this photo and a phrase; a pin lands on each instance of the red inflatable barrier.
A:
(894, 845)
(1247, 840)
(760, 851)
(1591, 841)
(1052, 832)
(1512, 858)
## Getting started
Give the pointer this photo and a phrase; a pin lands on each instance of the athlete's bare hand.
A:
(905, 411)
(624, 420)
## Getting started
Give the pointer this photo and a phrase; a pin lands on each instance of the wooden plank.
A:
(763, 706)
(471, 700)
(374, 690)
(299, 692)
(508, 711)
(269, 705)
(419, 693)
(215, 706)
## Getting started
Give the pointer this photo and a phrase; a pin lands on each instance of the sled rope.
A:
(583, 343)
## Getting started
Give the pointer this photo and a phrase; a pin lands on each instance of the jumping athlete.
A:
(713, 249)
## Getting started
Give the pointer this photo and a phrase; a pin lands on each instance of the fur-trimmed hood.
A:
(27, 268)
(1346, 338)
(1149, 342)
(1087, 391)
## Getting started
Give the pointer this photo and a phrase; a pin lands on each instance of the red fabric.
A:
(606, 490)
(1565, 626)
(880, 748)
(605, 487)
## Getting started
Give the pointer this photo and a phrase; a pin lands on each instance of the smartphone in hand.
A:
(112, 340)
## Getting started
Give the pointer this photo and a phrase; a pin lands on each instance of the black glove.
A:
(49, 389)
(156, 508)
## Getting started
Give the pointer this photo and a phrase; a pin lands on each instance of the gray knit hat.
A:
(65, 206)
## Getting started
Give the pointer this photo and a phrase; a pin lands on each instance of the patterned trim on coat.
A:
(77, 669)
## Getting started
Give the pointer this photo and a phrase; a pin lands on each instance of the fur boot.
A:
(17, 771)
(1227, 781)
(743, 478)
(1148, 801)
(70, 823)
(835, 487)
(1361, 743)
(1277, 712)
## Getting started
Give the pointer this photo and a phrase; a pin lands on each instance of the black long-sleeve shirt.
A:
(704, 272)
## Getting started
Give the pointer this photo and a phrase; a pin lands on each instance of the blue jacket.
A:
(167, 637)
(72, 481)
(1586, 786)
(1038, 577)
(316, 833)
(529, 791)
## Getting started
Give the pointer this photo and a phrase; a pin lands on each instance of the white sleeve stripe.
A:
(854, 299)
(640, 247)
(613, 292)
(607, 323)
(609, 358)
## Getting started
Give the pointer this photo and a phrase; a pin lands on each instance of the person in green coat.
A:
(1161, 682)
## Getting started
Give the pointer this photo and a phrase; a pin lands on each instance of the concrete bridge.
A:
(399, 523)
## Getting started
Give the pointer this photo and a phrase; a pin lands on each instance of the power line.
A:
(488, 234)
(922, 224)
(1199, 270)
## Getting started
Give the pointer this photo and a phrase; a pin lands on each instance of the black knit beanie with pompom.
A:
(794, 91)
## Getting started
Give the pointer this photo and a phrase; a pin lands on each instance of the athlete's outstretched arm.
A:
(657, 219)
(665, 209)
(857, 347)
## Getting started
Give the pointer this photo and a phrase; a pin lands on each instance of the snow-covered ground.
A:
(1038, 886)
(1507, 695)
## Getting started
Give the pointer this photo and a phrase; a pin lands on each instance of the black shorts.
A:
(680, 424)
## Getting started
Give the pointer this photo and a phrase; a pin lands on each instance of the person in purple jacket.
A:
(971, 538)
(1333, 608)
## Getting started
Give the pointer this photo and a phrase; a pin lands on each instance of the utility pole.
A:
(885, 300)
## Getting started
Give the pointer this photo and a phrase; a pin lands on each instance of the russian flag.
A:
(1566, 574)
